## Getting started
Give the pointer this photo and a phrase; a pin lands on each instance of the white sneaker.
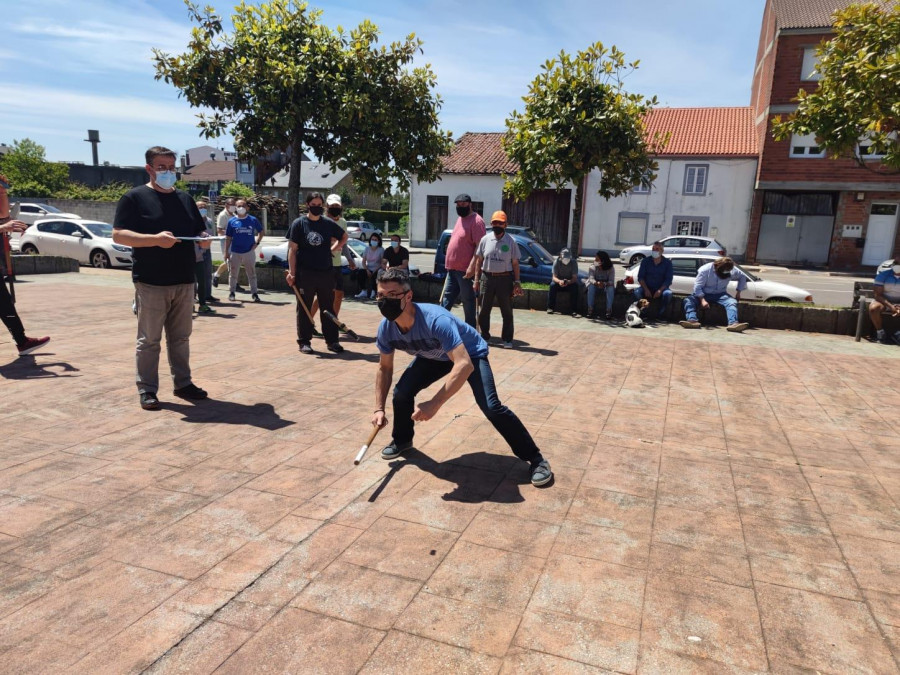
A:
(362, 295)
(507, 345)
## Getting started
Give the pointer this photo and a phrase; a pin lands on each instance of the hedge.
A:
(374, 216)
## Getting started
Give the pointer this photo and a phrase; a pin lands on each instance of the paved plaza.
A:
(722, 503)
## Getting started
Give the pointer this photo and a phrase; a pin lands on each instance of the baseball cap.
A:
(333, 199)
(463, 198)
(498, 215)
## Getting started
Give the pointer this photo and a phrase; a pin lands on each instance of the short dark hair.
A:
(395, 275)
(658, 243)
(158, 151)
(605, 262)
(395, 235)
(314, 195)
(230, 199)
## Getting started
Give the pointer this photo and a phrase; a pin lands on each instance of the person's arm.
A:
(122, 234)
(476, 234)
(670, 276)
(554, 271)
(462, 368)
(383, 379)
(641, 274)
(259, 236)
(404, 261)
(477, 261)
(292, 263)
(574, 278)
(741, 284)
(338, 244)
(700, 283)
(517, 280)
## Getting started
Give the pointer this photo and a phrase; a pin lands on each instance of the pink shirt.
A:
(467, 233)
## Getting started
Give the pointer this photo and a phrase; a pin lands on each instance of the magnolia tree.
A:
(858, 97)
(579, 117)
(283, 80)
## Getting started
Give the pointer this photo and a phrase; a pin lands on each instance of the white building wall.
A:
(726, 204)
(487, 189)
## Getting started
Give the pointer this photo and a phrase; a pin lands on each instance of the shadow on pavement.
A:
(210, 410)
(26, 368)
(519, 346)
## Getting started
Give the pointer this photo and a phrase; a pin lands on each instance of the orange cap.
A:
(498, 216)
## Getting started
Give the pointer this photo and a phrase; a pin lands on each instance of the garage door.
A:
(800, 240)
(547, 212)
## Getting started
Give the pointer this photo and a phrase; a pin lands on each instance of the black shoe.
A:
(335, 347)
(231, 297)
(211, 299)
(191, 392)
(306, 348)
(240, 289)
(149, 401)
(316, 332)
(215, 282)
(256, 297)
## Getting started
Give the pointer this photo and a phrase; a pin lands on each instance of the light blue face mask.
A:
(373, 243)
(655, 254)
(202, 212)
(166, 179)
(395, 244)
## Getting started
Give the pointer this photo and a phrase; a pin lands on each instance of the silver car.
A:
(674, 244)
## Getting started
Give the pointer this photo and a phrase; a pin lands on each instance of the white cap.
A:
(333, 199)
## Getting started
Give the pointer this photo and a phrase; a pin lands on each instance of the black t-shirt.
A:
(147, 211)
(313, 239)
(395, 256)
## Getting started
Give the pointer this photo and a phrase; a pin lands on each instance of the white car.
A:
(87, 241)
(672, 245)
(31, 212)
(362, 230)
(272, 255)
(885, 266)
(686, 266)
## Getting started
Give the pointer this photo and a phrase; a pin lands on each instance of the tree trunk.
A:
(576, 217)
(293, 196)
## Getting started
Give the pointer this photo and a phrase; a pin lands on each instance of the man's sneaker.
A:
(210, 299)
(881, 336)
(306, 348)
(896, 337)
(335, 347)
(215, 282)
(507, 344)
(738, 327)
(206, 309)
(240, 289)
(134, 307)
(149, 401)
(316, 332)
(541, 473)
(362, 295)
(255, 297)
(689, 324)
(191, 392)
(231, 297)
(550, 311)
(32, 345)
(395, 449)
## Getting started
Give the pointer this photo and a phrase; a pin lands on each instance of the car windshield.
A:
(99, 229)
(752, 277)
(357, 245)
(541, 253)
(49, 209)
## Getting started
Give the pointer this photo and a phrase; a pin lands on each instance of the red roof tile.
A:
(814, 13)
(211, 171)
(695, 132)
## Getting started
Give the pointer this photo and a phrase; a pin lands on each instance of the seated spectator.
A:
(565, 277)
(711, 285)
(887, 299)
(601, 277)
(366, 275)
(396, 255)
(655, 278)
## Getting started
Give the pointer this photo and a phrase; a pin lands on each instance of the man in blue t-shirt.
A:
(443, 345)
(887, 299)
(243, 234)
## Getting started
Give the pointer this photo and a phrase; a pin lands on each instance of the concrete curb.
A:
(43, 264)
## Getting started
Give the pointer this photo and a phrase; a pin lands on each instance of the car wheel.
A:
(636, 258)
(29, 249)
(100, 260)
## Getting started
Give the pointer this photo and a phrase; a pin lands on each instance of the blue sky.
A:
(71, 65)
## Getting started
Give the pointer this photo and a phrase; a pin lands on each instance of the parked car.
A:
(676, 244)
(521, 229)
(362, 230)
(87, 241)
(275, 255)
(535, 262)
(886, 265)
(686, 266)
(31, 212)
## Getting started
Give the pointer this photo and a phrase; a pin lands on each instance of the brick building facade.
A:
(809, 208)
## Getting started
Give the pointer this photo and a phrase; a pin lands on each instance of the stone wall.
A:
(89, 210)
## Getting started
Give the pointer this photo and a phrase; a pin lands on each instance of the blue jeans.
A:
(457, 287)
(664, 299)
(571, 289)
(421, 373)
(692, 302)
(592, 291)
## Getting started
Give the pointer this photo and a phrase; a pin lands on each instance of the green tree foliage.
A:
(579, 117)
(858, 96)
(110, 192)
(283, 80)
(235, 189)
(29, 173)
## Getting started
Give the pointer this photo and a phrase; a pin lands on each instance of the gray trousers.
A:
(248, 260)
(172, 308)
(497, 290)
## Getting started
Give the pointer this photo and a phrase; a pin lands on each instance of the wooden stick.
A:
(341, 325)
(303, 304)
(362, 450)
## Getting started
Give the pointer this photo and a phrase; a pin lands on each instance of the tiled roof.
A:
(312, 175)
(695, 132)
(211, 171)
(705, 132)
(814, 13)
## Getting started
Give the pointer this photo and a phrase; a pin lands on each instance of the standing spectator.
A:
(601, 277)
(313, 241)
(655, 278)
(711, 285)
(497, 260)
(224, 216)
(372, 263)
(887, 298)
(243, 234)
(150, 218)
(203, 266)
(397, 256)
(335, 209)
(565, 276)
(8, 314)
(460, 262)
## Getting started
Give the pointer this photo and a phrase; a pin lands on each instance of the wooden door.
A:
(547, 212)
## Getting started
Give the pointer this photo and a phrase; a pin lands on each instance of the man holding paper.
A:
(151, 219)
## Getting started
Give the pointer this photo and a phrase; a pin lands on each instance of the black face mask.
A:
(316, 210)
(390, 308)
(462, 211)
(498, 231)
(335, 211)
(723, 274)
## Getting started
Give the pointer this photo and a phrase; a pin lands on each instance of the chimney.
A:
(93, 138)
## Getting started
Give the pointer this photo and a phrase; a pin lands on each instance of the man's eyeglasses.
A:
(390, 296)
